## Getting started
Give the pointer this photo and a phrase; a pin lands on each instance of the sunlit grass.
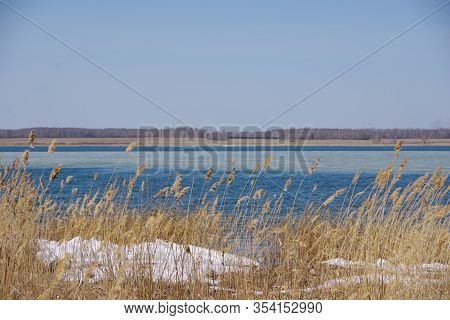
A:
(405, 227)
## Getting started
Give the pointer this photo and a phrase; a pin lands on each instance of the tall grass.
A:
(407, 228)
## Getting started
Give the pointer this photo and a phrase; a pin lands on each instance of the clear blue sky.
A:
(224, 63)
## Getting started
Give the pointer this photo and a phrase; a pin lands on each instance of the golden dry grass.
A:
(407, 227)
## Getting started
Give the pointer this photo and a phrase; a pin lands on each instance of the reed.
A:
(394, 245)
(52, 147)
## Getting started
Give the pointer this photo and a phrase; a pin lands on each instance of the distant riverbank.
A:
(220, 142)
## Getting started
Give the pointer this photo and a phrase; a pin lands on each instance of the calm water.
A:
(336, 168)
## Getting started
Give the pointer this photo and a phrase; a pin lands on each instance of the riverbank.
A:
(234, 141)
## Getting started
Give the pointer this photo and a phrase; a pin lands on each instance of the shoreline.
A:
(227, 142)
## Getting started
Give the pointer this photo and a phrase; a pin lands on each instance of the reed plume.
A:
(31, 138)
(287, 184)
(179, 195)
(52, 147)
(313, 166)
(141, 168)
(266, 206)
(242, 199)
(214, 204)
(41, 183)
(25, 157)
(356, 177)
(267, 162)
(397, 148)
(256, 167)
(15, 164)
(163, 192)
(258, 194)
(333, 196)
(176, 184)
(209, 174)
(383, 176)
(232, 173)
(131, 147)
(216, 184)
(394, 195)
(55, 171)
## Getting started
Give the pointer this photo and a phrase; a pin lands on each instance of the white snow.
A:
(383, 264)
(406, 275)
(339, 262)
(162, 261)
(380, 278)
(94, 260)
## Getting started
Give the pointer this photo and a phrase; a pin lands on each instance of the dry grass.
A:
(405, 227)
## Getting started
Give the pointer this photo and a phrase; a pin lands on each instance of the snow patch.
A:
(383, 264)
(378, 278)
(95, 260)
(406, 275)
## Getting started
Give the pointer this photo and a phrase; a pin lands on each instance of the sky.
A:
(227, 63)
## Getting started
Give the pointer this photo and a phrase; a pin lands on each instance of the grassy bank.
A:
(395, 245)
(229, 141)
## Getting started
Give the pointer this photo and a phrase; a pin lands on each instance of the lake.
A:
(336, 169)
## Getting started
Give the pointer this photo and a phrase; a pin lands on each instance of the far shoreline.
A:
(225, 142)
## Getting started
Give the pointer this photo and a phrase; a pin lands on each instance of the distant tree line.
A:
(213, 134)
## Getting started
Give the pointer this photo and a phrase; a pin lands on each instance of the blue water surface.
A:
(336, 169)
